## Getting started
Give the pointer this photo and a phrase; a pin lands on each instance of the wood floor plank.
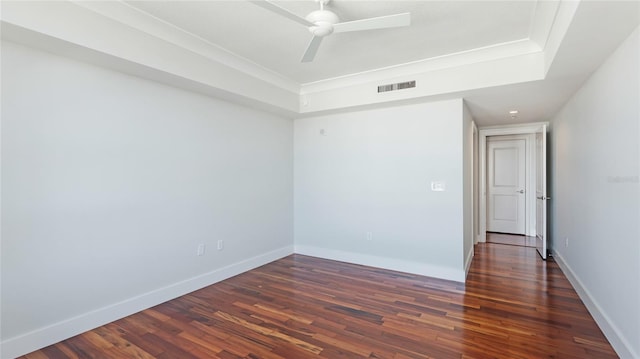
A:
(513, 305)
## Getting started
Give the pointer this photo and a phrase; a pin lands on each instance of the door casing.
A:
(484, 132)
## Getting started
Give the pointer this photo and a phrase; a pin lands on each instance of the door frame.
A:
(484, 132)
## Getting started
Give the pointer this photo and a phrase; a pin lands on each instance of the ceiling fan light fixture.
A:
(321, 29)
(323, 21)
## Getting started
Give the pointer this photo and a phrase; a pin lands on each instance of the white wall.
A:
(109, 183)
(596, 196)
(371, 172)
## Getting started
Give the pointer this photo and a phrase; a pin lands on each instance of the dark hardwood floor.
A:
(513, 305)
(511, 239)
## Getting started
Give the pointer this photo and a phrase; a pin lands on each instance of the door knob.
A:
(520, 191)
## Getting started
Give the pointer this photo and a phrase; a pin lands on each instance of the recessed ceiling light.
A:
(513, 112)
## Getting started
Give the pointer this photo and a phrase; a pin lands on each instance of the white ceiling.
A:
(497, 55)
(437, 28)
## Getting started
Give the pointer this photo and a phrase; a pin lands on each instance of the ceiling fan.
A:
(323, 22)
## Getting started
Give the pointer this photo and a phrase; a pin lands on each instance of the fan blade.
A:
(266, 4)
(382, 22)
(312, 49)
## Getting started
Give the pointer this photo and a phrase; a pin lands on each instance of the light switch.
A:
(438, 186)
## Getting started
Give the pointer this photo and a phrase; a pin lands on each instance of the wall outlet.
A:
(566, 242)
(201, 248)
(369, 236)
(220, 244)
(438, 186)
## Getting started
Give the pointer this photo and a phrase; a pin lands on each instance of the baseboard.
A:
(619, 343)
(467, 262)
(46, 336)
(384, 263)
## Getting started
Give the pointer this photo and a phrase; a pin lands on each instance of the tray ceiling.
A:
(496, 55)
(438, 28)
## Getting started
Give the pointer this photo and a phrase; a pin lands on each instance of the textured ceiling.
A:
(438, 28)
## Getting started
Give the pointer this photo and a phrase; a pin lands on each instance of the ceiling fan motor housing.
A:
(323, 20)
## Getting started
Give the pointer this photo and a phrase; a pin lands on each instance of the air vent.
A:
(385, 88)
(406, 85)
(398, 86)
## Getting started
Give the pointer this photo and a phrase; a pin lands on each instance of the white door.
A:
(506, 189)
(541, 192)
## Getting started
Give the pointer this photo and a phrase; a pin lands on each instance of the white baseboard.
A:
(617, 339)
(467, 262)
(384, 263)
(46, 336)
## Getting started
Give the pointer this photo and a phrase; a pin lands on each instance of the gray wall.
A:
(371, 171)
(596, 197)
(110, 182)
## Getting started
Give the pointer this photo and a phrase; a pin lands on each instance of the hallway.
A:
(534, 299)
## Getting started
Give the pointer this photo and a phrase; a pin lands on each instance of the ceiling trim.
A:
(543, 18)
(454, 74)
(147, 23)
(447, 81)
(561, 22)
(463, 58)
(182, 59)
(541, 25)
(542, 22)
(72, 30)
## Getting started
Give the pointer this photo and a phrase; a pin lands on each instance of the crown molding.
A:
(459, 59)
(137, 19)
(453, 74)
(450, 82)
(542, 21)
(69, 29)
(565, 13)
(174, 56)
